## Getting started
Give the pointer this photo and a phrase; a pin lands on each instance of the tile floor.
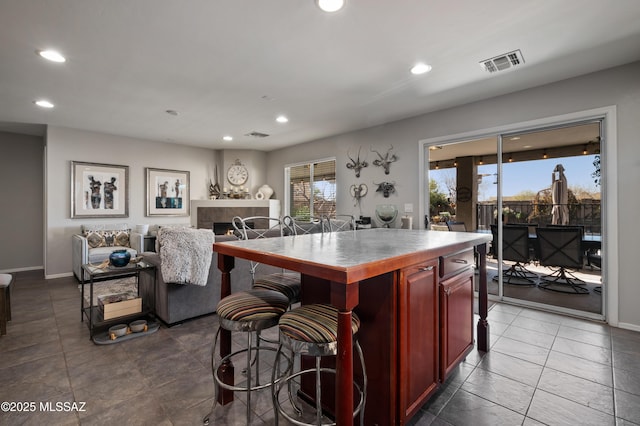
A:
(543, 369)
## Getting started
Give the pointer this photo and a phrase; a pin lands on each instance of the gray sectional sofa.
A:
(175, 303)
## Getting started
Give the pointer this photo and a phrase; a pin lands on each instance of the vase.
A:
(386, 213)
(266, 192)
(119, 258)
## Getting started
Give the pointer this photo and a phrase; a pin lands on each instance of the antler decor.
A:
(357, 192)
(386, 188)
(356, 165)
(386, 160)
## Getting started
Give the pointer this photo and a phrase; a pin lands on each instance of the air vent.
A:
(257, 134)
(503, 62)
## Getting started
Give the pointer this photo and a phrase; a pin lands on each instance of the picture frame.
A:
(99, 190)
(167, 192)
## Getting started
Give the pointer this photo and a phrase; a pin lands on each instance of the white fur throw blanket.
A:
(185, 254)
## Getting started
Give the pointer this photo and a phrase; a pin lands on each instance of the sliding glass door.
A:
(512, 185)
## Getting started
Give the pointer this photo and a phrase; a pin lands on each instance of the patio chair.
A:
(561, 248)
(515, 248)
(456, 226)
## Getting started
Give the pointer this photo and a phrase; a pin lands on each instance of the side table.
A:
(92, 312)
(149, 243)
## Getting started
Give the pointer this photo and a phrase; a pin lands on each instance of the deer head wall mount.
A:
(386, 160)
(356, 165)
(387, 188)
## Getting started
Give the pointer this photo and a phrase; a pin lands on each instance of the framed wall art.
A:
(99, 190)
(168, 192)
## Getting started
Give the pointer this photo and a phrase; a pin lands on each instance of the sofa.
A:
(176, 303)
(95, 243)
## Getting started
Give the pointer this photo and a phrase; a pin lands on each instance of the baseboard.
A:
(628, 326)
(28, 268)
(63, 275)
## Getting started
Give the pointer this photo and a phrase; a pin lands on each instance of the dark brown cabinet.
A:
(418, 337)
(456, 311)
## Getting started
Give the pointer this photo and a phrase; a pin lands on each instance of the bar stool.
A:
(313, 330)
(284, 282)
(247, 311)
(5, 301)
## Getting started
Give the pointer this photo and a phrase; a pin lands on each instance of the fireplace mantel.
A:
(205, 212)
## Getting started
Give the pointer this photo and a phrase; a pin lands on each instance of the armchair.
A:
(95, 243)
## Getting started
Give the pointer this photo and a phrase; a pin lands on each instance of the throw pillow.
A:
(121, 238)
(95, 238)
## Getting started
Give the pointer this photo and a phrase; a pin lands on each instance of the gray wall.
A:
(618, 86)
(21, 244)
(66, 145)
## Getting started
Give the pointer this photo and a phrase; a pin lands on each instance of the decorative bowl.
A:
(386, 213)
(118, 330)
(119, 258)
(137, 326)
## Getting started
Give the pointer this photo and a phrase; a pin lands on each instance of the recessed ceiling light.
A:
(330, 5)
(43, 103)
(227, 138)
(52, 55)
(515, 138)
(420, 68)
(282, 119)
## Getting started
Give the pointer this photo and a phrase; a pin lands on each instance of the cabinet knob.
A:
(427, 268)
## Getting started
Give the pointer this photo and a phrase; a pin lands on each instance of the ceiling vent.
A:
(257, 134)
(503, 62)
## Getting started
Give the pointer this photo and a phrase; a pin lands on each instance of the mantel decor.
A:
(99, 190)
(167, 192)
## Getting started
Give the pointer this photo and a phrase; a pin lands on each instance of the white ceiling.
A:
(230, 67)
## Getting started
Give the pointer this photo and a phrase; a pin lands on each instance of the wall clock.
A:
(463, 194)
(237, 173)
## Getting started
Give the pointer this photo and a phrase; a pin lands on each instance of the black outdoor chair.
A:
(456, 226)
(515, 248)
(561, 248)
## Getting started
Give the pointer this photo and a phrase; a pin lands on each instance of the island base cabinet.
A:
(418, 337)
(456, 321)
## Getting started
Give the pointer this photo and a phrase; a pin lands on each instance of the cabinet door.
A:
(456, 321)
(418, 356)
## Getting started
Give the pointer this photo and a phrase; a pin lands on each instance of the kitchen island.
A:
(413, 291)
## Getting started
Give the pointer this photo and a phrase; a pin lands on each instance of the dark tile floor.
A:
(543, 369)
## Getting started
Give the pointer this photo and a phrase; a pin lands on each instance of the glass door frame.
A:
(609, 198)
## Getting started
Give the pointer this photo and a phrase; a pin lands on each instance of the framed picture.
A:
(99, 190)
(167, 192)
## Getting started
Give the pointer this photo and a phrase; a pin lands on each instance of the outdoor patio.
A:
(591, 275)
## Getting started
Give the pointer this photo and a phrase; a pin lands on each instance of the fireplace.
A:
(218, 214)
(226, 228)
(222, 228)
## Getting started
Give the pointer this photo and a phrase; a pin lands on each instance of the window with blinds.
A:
(312, 189)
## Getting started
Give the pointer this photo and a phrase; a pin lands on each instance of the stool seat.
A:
(316, 323)
(287, 283)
